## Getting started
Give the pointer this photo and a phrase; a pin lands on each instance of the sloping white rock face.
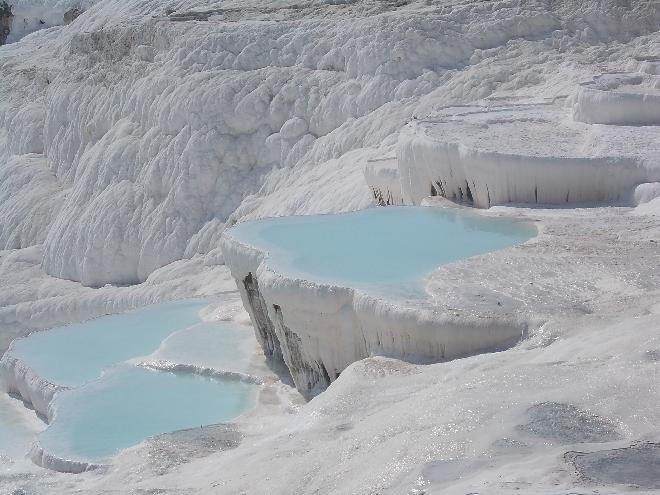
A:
(122, 71)
(26, 218)
(155, 128)
(160, 128)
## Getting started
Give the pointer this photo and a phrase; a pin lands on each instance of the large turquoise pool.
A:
(377, 247)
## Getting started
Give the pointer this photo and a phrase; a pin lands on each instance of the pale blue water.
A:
(378, 247)
(114, 404)
(75, 354)
(129, 404)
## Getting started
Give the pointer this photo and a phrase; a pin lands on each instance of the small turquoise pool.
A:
(100, 418)
(75, 354)
(378, 247)
(113, 402)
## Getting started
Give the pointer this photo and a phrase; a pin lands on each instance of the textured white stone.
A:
(523, 153)
(144, 137)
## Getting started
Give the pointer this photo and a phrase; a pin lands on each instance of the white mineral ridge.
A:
(621, 100)
(524, 153)
(16, 377)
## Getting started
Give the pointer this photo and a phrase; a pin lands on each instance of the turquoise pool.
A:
(75, 354)
(100, 418)
(377, 247)
(114, 403)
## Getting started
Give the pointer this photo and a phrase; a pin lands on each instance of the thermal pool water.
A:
(130, 403)
(112, 401)
(75, 354)
(383, 249)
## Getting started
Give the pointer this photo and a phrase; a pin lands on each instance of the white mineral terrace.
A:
(524, 153)
(621, 99)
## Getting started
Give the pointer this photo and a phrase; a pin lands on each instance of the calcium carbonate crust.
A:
(45, 459)
(388, 426)
(16, 377)
(525, 153)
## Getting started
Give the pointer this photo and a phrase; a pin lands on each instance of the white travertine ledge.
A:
(515, 153)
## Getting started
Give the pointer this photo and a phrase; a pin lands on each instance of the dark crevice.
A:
(324, 372)
(382, 200)
(264, 325)
(441, 188)
(71, 15)
(6, 18)
(468, 192)
(309, 377)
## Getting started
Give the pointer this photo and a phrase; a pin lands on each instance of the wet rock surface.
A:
(71, 15)
(567, 423)
(637, 466)
(6, 17)
(169, 450)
